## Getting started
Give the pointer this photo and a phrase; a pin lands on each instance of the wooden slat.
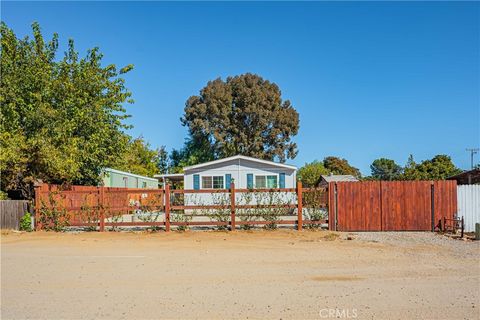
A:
(392, 205)
(11, 212)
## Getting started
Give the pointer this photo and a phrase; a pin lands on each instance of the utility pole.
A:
(472, 151)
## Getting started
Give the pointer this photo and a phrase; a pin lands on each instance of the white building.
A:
(245, 172)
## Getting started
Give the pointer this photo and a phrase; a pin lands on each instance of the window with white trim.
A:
(212, 182)
(266, 182)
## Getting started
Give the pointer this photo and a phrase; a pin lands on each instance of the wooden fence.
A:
(57, 207)
(391, 205)
(11, 211)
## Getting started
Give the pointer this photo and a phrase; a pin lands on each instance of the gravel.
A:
(459, 247)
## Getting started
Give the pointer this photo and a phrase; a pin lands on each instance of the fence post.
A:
(101, 205)
(463, 227)
(38, 225)
(167, 208)
(232, 206)
(432, 199)
(299, 206)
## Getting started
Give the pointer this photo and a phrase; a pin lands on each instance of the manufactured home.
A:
(245, 172)
(121, 179)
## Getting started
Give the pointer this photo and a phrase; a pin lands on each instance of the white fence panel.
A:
(469, 205)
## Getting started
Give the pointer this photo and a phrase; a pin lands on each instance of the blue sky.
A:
(369, 79)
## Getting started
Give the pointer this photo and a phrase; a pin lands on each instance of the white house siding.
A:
(468, 197)
(238, 168)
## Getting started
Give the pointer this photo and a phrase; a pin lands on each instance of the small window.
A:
(260, 182)
(218, 182)
(144, 185)
(269, 182)
(212, 182)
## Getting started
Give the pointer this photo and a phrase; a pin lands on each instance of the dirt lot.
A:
(212, 275)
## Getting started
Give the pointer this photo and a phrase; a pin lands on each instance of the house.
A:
(122, 179)
(245, 172)
(467, 177)
(326, 179)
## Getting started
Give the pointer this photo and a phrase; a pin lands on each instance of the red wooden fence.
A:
(391, 205)
(353, 206)
(84, 206)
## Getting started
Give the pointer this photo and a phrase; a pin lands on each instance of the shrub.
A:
(26, 222)
(268, 213)
(314, 207)
(314, 214)
(89, 214)
(247, 214)
(220, 215)
(52, 215)
(180, 216)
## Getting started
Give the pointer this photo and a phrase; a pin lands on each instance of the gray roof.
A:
(339, 178)
(239, 156)
(111, 170)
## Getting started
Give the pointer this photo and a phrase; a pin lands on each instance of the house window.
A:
(212, 182)
(269, 182)
(144, 185)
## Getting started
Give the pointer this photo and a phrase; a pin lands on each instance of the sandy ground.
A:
(259, 274)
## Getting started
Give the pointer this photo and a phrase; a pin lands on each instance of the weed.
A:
(52, 215)
(26, 222)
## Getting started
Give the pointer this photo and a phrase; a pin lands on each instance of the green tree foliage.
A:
(439, 167)
(162, 160)
(385, 169)
(196, 150)
(61, 119)
(243, 115)
(26, 222)
(140, 159)
(311, 173)
(337, 165)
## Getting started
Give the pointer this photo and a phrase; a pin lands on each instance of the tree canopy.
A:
(62, 120)
(140, 158)
(341, 166)
(385, 169)
(311, 173)
(244, 115)
(196, 150)
(439, 167)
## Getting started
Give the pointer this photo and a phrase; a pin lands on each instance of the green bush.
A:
(26, 222)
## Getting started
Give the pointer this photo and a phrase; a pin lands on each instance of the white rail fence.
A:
(469, 205)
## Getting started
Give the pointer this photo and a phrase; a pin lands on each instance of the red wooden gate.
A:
(391, 205)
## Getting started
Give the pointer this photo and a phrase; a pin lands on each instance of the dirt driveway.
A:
(213, 275)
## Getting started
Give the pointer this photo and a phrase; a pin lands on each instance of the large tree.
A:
(194, 151)
(311, 173)
(439, 167)
(385, 169)
(341, 166)
(62, 120)
(141, 159)
(245, 115)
